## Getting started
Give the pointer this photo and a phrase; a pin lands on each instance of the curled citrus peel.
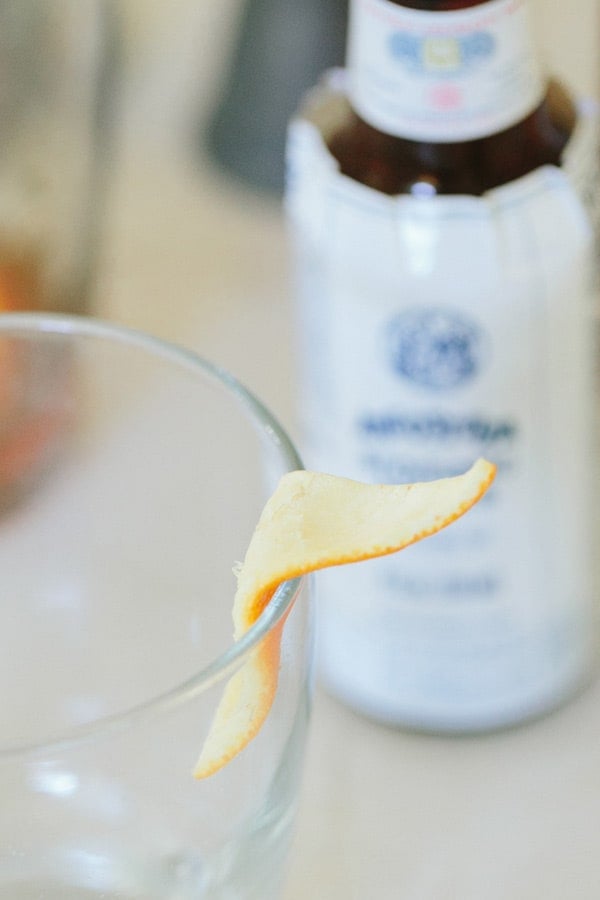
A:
(311, 522)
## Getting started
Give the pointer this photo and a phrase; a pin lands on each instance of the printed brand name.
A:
(438, 427)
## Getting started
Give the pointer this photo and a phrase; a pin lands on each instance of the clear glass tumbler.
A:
(142, 490)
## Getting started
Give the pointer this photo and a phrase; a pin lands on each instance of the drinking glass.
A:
(59, 65)
(141, 472)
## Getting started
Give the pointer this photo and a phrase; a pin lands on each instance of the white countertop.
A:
(192, 257)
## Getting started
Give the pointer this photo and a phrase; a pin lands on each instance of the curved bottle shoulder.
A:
(398, 166)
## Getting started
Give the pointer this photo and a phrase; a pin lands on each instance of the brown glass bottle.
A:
(435, 329)
(395, 165)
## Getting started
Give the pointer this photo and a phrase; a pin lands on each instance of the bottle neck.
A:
(443, 76)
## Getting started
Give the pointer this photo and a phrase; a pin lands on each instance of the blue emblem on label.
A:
(441, 54)
(435, 348)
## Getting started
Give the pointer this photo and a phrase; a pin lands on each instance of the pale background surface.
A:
(192, 256)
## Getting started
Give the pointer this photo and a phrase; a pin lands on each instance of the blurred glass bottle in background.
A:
(56, 65)
(442, 199)
(282, 47)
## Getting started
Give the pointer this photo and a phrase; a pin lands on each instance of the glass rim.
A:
(227, 662)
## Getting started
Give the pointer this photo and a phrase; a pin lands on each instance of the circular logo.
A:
(435, 348)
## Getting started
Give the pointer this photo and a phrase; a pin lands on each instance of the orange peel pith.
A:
(314, 521)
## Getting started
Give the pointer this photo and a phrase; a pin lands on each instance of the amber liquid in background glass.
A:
(20, 280)
(395, 165)
(35, 389)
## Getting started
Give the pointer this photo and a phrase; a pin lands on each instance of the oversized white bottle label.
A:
(443, 76)
(434, 331)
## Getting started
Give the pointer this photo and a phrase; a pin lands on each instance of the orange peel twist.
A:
(311, 522)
